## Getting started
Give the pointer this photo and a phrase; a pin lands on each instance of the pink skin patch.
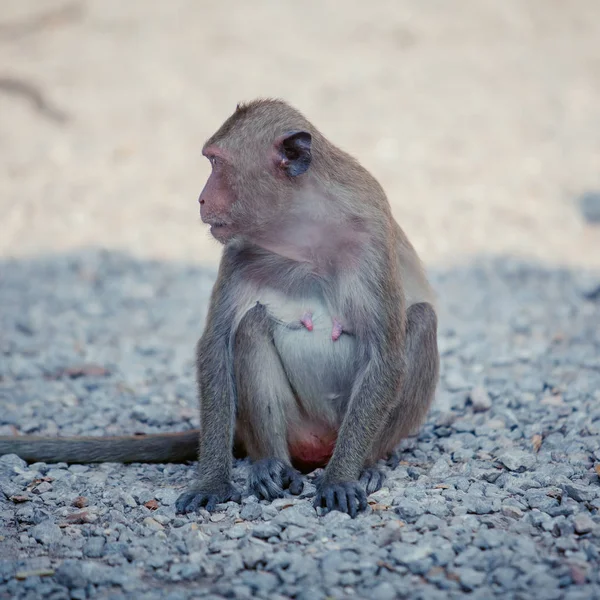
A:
(337, 330)
(311, 451)
(306, 320)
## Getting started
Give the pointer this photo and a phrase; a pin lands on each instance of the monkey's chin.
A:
(221, 233)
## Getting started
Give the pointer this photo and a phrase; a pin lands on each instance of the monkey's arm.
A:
(376, 311)
(216, 386)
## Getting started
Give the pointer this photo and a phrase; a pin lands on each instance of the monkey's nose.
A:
(201, 200)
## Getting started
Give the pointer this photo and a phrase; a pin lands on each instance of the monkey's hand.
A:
(206, 497)
(270, 476)
(348, 497)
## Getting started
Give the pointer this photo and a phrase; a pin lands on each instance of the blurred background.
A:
(481, 118)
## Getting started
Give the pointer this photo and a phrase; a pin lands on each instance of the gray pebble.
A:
(583, 523)
(517, 460)
(94, 547)
(383, 591)
(470, 578)
(480, 399)
(251, 512)
(266, 530)
(46, 532)
(579, 492)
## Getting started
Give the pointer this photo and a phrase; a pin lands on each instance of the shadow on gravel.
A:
(499, 490)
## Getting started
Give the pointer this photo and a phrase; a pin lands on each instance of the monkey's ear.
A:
(294, 152)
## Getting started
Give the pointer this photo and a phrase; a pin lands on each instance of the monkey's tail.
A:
(151, 448)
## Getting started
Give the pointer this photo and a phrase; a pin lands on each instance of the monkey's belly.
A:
(320, 370)
(321, 373)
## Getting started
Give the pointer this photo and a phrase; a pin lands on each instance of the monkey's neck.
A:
(323, 244)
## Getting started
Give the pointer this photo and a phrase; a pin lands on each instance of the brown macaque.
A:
(320, 346)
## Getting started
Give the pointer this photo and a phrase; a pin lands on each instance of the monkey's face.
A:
(249, 188)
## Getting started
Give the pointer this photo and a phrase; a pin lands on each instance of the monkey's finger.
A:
(361, 497)
(276, 469)
(285, 478)
(394, 460)
(341, 497)
(325, 499)
(267, 489)
(296, 485)
(187, 502)
(198, 501)
(211, 503)
(372, 479)
(291, 480)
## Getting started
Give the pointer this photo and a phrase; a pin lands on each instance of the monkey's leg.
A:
(265, 405)
(418, 390)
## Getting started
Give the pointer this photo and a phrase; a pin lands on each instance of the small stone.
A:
(80, 502)
(42, 488)
(151, 504)
(236, 532)
(251, 512)
(46, 532)
(383, 591)
(480, 506)
(19, 499)
(583, 524)
(94, 547)
(581, 493)
(79, 518)
(409, 510)
(264, 531)
(517, 460)
(470, 578)
(129, 500)
(512, 511)
(70, 575)
(297, 515)
(152, 523)
(480, 399)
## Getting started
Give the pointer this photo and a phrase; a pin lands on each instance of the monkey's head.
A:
(260, 159)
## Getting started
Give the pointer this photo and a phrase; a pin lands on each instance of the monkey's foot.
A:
(270, 476)
(208, 498)
(348, 497)
(394, 459)
(372, 479)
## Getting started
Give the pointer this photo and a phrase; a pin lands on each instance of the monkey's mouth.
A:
(220, 229)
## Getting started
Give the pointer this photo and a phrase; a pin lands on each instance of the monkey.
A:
(320, 344)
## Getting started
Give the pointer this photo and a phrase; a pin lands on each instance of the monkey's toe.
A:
(394, 459)
(270, 476)
(372, 479)
(191, 501)
(348, 497)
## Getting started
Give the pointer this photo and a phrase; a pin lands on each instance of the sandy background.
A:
(481, 118)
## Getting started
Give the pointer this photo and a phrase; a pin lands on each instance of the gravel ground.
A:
(498, 495)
